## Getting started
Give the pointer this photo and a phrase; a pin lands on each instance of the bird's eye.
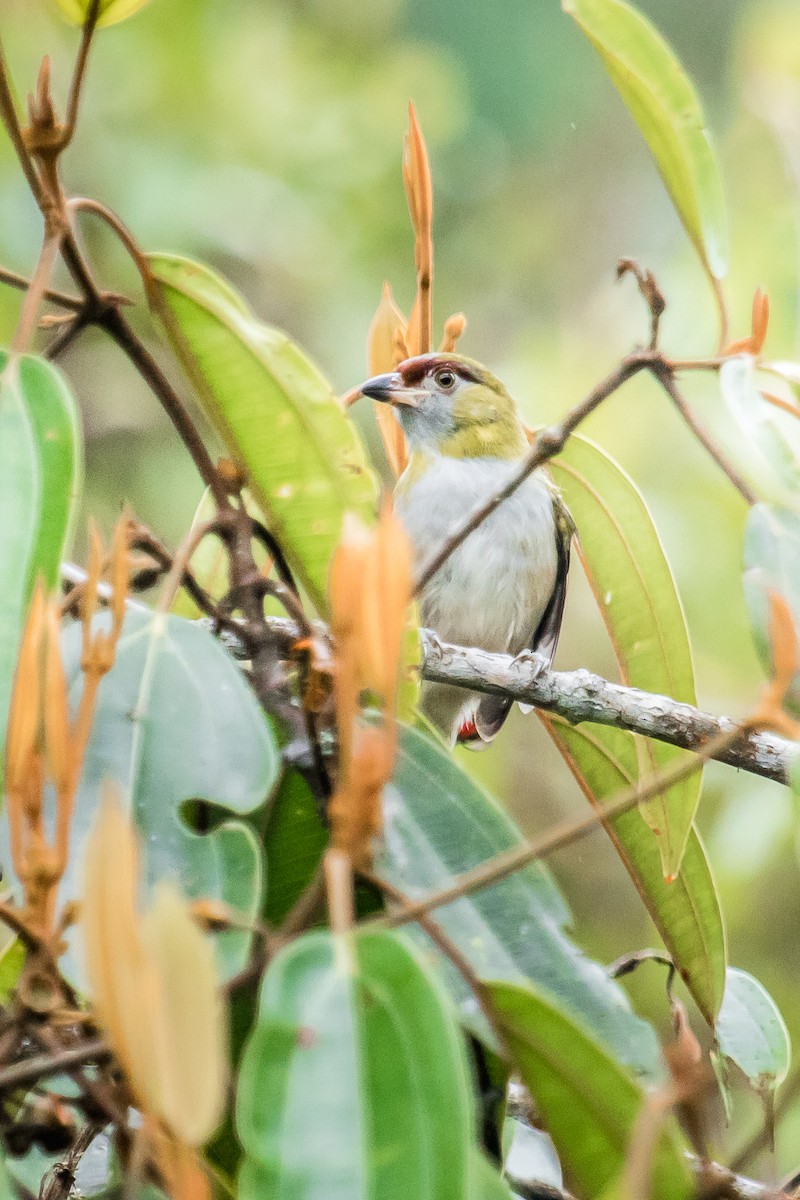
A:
(445, 379)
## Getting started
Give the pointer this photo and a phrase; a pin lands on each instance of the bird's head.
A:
(451, 405)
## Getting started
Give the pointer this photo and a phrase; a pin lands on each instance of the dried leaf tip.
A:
(370, 592)
(453, 329)
(786, 664)
(153, 983)
(419, 191)
(759, 323)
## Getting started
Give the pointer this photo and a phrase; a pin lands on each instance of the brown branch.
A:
(581, 696)
(40, 1066)
(549, 442)
(79, 73)
(36, 292)
(10, 118)
(566, 834)
(120, 330)
(22, 283)
(667, 380)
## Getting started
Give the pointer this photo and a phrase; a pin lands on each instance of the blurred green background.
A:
(264, 137)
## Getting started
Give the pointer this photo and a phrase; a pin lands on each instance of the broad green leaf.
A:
(294, 839)
(663, 103)
(111, 11)
(176, 721)
(751, 1031)
(485, 1181)
(276, 412)
(634, 588)
(438, 824)
(772, 562)
(40, 452)
(587, 1102)
(770, 441)
(354, 1083)
(686, 912)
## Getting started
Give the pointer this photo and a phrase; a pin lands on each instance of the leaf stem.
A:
(566, 834)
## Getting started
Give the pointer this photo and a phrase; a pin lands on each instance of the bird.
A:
(503, 589)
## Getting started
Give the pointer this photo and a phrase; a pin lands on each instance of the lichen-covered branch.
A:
(581, 696)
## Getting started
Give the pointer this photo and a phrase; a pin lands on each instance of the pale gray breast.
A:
(493, 590)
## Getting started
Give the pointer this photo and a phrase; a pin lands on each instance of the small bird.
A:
(503, 589)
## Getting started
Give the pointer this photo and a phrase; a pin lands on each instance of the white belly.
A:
(493, 590)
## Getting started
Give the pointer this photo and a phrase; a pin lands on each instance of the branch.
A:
(581, 696)
(31, 1070)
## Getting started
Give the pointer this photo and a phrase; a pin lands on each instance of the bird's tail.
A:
(471, 719)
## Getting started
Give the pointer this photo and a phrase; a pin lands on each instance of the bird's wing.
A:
(493, 710)
(545, 639)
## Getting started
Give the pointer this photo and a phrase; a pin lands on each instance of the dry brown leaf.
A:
(383, 340)
(194, 1071)
(152, 983)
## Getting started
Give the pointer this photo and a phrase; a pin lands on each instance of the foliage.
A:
(270, 938)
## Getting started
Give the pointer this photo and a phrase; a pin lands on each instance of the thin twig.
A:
(30, 1070)
(79, 73)
(115, 223)
(549, 442)
(66, 336)
(763, 1137)
(36, 292)
(22, 283)
(566, 834)
(120, 330)
(447, 946)
(10, 118)
(667, 381)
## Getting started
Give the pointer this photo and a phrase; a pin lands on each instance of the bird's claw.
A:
(532, 659)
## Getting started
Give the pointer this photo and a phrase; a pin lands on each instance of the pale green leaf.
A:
(751, 1031)
(176, 721)
(437, 824)
(275, 411)
(686, 912)
(40, 455)
(663, 103)
(769, 446)
(354, 1083)
(111, 11)
(635, 590)
(772, 563)
(587, 1102)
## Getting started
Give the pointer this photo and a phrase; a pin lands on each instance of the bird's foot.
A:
(434, 642)
(532, 659)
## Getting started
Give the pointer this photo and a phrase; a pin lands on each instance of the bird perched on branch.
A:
(503, 589)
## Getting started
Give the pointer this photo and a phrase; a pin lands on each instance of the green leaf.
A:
(485, 1181)
(354, 1083)
(772, 562)
(295, 839)
(586, 1101)
(770, 445)
(635, 590)
(276, 412)
(663, 103)
(40, 451)
(176, 721)
(685, 912)
(438, 824)
(111, 11)
(751, 1031)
